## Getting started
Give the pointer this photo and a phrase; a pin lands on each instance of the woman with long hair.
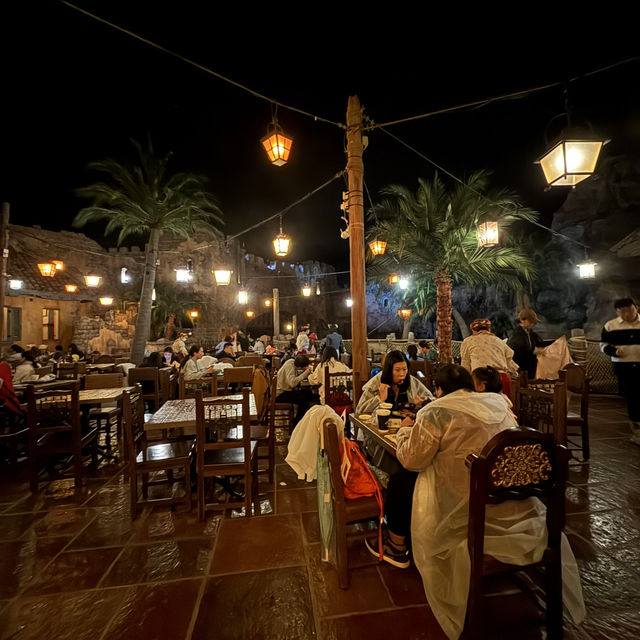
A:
(394, 385)
(329, 359)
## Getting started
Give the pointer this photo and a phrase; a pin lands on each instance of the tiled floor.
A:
(73, 565)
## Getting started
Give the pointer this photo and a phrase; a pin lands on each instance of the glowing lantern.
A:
(15, 284)
(106, 301)
(194, 314)
(59, 265)
(92, 281)
(277, 144)
(317, 288)
(403, 283)
(587, 270)
(282, 242)
(267, 302)
(405, 313)
(288, 327)
(249, 313)
(378, 247)
(183, 275)
(488, 234)
(570, 161)
(71, 288)
(349, 302)
(47, 269)
(153, 296)
(306, 291)
(222, 275)
(243, 297)
(394, 278)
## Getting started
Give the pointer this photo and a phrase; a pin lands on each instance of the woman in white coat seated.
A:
(393, 384)
(433, 453)
(329, 360)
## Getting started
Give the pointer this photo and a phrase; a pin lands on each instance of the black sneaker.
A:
(390, 553)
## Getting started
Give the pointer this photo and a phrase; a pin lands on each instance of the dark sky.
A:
(75, 90)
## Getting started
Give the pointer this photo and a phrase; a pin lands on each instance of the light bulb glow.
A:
(306, 291)
(587, 270)
(71, 288)
(222, 276)
(488, 234)
(349, 302)
(106, 301)
(403, 283)
(92, 281)
(15, 284)
(183, 275)
(243, 297)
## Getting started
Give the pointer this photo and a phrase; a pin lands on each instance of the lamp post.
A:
(355, 171)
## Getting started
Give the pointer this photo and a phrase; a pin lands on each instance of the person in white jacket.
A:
(329, 360)
(456, 424)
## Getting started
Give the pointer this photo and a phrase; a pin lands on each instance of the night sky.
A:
(75, 90)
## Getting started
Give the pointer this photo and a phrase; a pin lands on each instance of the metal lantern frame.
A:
(378, 247)
(306, 290)
(47, 269)
(222, 275)
(405, 313)
(277, 143)
(93, 281)
(488, 234)
(282, 242)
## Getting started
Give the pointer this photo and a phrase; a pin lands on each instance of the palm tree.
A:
(432, 237)
(171, 304)
(145, 199)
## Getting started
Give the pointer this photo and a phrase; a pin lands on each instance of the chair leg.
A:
(342, 557)
(201, 481)
(187, 484)
(33, 471)
(77, 464)
(133, 493)
(585, 440)
(554, 600)
(272, 458)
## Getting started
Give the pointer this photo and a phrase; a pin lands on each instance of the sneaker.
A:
(390, 553)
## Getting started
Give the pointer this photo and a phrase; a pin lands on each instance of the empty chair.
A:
(250, 361)
(574, 376)
(55, 429)
(224, 448)
(514, 465)
(149, 380)
(70, 370)
(109, 413)
(263, 430)
(145, 458)
(238, 376)
(188, 388)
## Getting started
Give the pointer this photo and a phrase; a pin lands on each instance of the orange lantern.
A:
(404, 313)
(47, 269)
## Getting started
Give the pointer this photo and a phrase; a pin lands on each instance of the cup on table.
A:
(383, 417)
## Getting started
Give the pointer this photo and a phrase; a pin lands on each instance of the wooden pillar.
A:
(4, 247)
(276, 312)
(355, 203)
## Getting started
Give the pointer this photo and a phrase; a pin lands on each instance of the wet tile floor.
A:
(74, 565)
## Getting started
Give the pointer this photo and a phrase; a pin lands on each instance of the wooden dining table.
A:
(181, 414)
(384, 438)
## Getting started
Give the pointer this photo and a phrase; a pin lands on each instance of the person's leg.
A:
(628, 374)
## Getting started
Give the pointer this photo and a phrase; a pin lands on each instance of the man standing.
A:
(621, 342)
(333, 339)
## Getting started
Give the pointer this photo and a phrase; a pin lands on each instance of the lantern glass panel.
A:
(243, 297)
(106, 301)
(15, 284)
(570, 162)
(222, 276)
(278, 147)
(47, 269)
(587, 270)
(92, 281)
(306, 290)
(394, 278)
(281, 244)
(488, 234)
(183, 275)
(70, 288)
(378, 247)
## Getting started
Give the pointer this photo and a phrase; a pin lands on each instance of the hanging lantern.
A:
(222, 275)
(194, 314)
(267, 302)
(183, 275)
(306, 291)
(570, 161)
(243, 297)
(92, 281)
(403, 283)
(378, 247)
(71, 288)
(249, 313)
(153, 295)
(15, 284)
(394, 278)
(488, 234)
(47, 269)
(404, 313)
(349, 302)
(587, 270)
(59, 265)
(277, 144)
(317, 288)
(288, 327)
(282, 242)
(106, 301)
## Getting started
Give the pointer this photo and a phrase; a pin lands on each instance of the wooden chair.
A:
(44, 371)
(145, 458)
(224, 448)
(345, 511)
(541, 408)
(188, 388)
(149, 380)
(263, 430)
(167, 384)
(55, 429)
(111, 415)
(250, 361)
(239, 376)
(338, 388)
(516, 464)
(276, 363)
(70, 370)
(574, 376)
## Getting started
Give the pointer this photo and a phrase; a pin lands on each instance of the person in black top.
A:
(525, 342)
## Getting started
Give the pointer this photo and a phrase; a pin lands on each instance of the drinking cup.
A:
(383, 417)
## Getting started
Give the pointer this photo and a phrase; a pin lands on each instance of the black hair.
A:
(227, 344)
(301, 361)
(154, 359)
(28, 356)
(624, 302)
(393, 357)
(228, 338)
(490, 377)
(412, 352)
(423, 343)
(59, 347)
(168, 350)
(192, 351)
(327, 354)
(452, 377)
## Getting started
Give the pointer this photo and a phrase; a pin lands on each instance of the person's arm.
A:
(512, 367)
(466, 356)
(605, 343)
(417, 445)
(317, 376)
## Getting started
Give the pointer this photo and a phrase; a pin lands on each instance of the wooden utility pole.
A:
(355, 204)
(4, 247)
(276, 313)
